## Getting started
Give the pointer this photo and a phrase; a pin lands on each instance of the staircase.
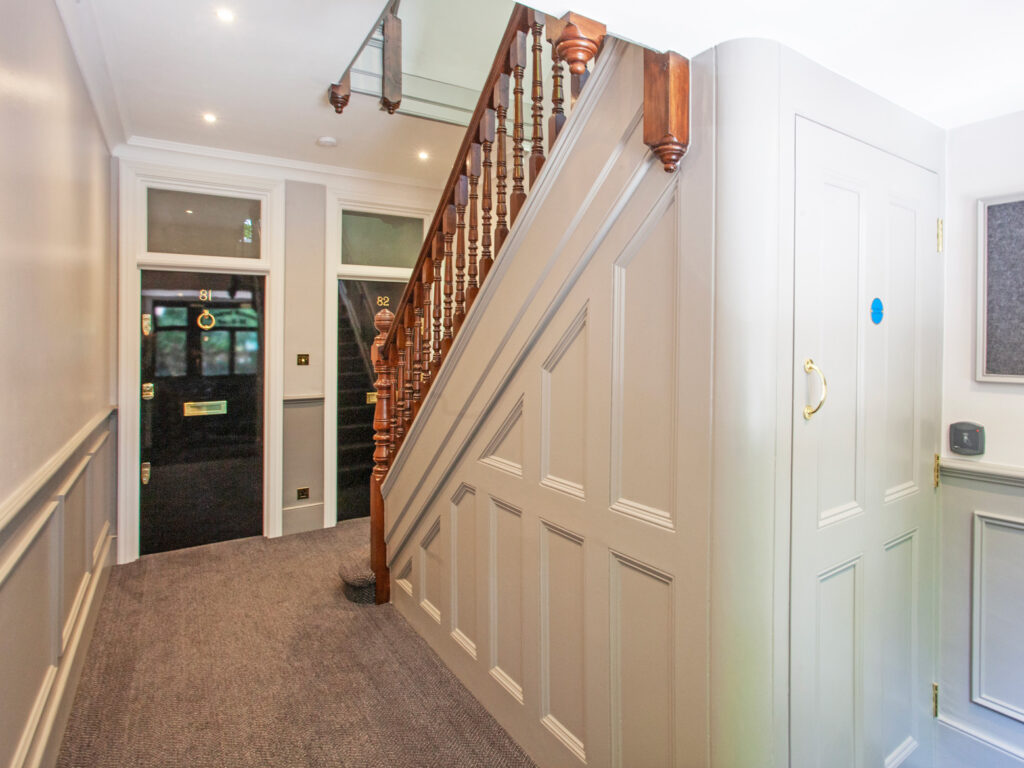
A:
(355, 422)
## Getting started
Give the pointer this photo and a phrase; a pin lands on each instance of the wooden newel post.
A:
(381, 456)
(667, 106)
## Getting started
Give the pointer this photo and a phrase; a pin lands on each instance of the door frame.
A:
(337, 201)
(134, 180)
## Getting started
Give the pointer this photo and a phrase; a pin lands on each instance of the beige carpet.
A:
(246, 653)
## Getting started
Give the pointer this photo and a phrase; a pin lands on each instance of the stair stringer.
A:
(580, 586)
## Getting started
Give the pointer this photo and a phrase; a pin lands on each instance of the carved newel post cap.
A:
(667, 106)
(382, 320)
(578, 42)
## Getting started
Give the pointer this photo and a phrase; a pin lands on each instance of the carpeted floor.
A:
(246, 653)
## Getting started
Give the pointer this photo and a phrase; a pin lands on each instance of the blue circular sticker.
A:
(877, 310)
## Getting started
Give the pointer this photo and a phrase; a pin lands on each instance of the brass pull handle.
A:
(810, 367)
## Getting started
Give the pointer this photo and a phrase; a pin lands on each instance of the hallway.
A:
(246, 653)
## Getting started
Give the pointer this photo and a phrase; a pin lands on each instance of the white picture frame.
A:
(1000, 342)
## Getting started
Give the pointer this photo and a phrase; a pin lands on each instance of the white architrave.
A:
(135, 178)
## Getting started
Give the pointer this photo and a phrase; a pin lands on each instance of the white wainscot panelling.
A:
(76, 550)
(644, 383)
(430, 571)
(840, 664)
(997, 617)
(29, 639)
(899, 642)
(403, 577)
(563, 410)
(562, 639)
(642, 664)
(463, 568)
(506, 598)
(505, 449)
(102, 494)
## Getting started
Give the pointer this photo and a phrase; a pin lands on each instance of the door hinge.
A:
(935, 472)
(935, 699)
(144, 472)
(938, 235)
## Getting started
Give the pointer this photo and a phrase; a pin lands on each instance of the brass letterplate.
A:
(207, 408)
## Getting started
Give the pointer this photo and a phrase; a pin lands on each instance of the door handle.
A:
(810, 367)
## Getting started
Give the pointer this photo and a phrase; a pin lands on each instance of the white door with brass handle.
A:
(863, 516)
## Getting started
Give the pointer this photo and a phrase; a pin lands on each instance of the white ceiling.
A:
(156, 67)
(950, 61)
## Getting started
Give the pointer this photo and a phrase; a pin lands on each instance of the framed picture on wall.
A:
(1000, 325)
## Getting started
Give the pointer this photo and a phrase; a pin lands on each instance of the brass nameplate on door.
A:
(208, 408)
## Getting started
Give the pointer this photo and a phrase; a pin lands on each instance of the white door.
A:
(864, 507)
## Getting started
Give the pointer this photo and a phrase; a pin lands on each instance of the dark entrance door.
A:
(201, 424)
(358, 303)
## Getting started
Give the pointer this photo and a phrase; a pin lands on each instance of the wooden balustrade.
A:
(472, 222)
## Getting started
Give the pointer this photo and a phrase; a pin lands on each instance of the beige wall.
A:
(57, 343)
(56, 248)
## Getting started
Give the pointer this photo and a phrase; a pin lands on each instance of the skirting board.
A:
(44, 743)
(957, 746)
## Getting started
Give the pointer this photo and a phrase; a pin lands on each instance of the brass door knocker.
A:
(206, 320)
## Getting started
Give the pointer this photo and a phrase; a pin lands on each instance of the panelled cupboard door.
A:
(867, 306)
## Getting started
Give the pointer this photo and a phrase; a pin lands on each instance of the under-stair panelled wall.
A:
(547, 515)
(515, 124)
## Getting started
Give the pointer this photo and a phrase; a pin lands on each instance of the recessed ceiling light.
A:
(210, 117)
(226, 15)
(423, 155)
(188, 211)
(327, 141)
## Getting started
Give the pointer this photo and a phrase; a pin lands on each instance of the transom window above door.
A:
(202, 225)
(380, 240)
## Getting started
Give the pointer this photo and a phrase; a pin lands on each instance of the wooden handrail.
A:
(480, 203)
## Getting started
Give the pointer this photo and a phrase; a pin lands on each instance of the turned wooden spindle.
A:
(461, 200)
(392, 353)
(557, 119)
(473, 171)
(578, 42)
(537, 96)
(426, 321)
(517, 60)
(437, 256)
(411, 375)
(400, 377)
(500, 111)
(486, 140)
(449, 287)
(381, 456)
(416, 331)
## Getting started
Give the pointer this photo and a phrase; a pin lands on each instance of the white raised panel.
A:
(101, 494)
(997, 617)
(404, 577)
(76, 550)
(463, 568)
(839, 668)
(899, 656)
(839, 349)
(563, 410)
(642, 664)
(430, 571)
(562, 636)
(505, 449)
(899, 324)
(644, 348)
(506, 597)
(29, 614)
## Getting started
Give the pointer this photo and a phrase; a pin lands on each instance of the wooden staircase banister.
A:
(479, 204)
